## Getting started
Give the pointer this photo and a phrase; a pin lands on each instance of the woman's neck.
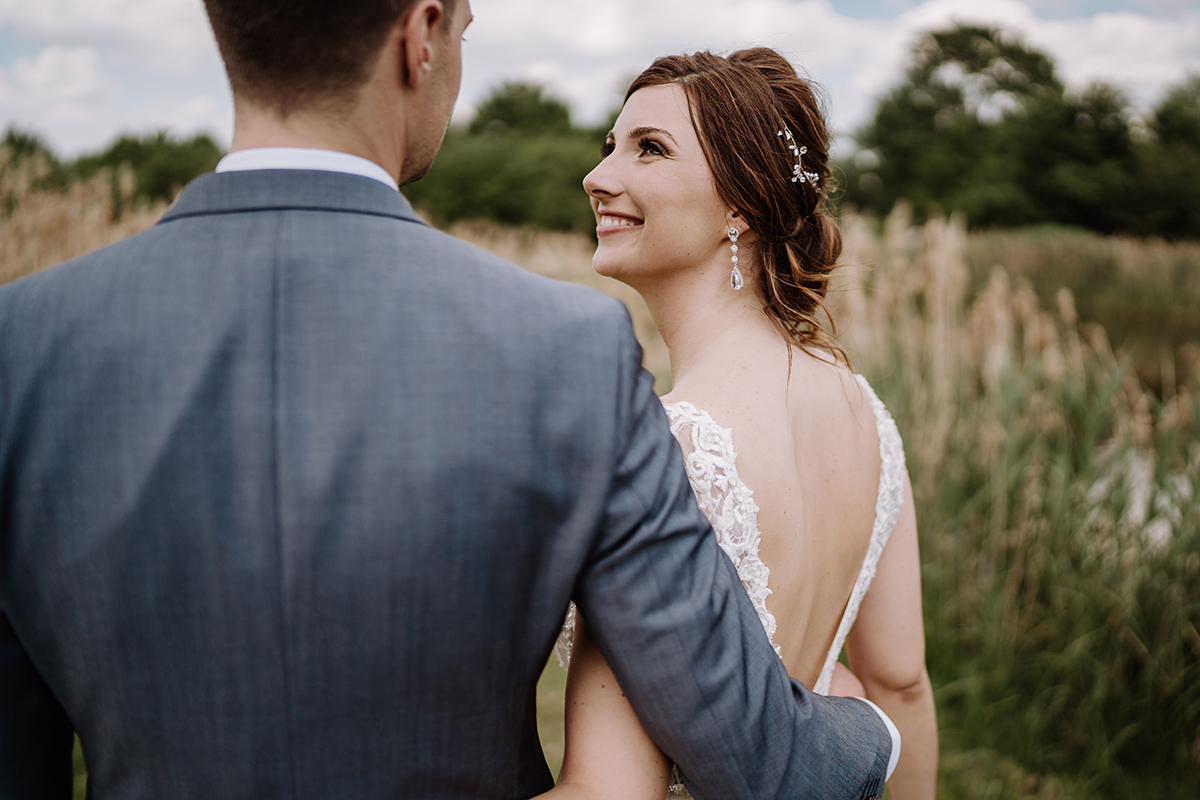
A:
(702, 319)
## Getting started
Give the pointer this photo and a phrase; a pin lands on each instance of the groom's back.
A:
(292, 499)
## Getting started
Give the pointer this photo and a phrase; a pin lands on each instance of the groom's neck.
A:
(355, 130)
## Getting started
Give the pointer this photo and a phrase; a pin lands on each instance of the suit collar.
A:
(256, 158)
(288, 190)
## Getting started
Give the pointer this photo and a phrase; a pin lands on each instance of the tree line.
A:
(980, 123)
(520, 161)
(160, 163)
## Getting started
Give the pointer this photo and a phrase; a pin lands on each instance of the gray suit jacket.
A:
(294, 491)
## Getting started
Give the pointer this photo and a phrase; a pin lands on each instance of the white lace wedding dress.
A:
(730, 507)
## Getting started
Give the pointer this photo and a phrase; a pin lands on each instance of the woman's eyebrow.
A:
(638, 133)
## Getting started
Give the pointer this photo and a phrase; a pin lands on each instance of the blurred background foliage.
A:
(520, 161)
(981, 124)
(512, 177)
(160, 164)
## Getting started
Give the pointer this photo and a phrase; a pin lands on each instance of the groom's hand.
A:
(845, 683)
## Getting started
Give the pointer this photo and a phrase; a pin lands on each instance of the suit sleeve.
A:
(666, 608)
(35, 734)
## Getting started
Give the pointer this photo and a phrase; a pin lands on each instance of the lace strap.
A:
(887, 510)
(729, 504)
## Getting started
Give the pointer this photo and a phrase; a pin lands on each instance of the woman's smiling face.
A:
(654, 197)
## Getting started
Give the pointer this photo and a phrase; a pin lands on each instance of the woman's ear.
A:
(735, 221)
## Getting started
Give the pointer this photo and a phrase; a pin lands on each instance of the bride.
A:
(709, 201)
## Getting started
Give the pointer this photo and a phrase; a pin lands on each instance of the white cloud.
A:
(594, 46)
(61, 87)
(582, 51)
(171, 34)
(110, 66)
(196, 112)
(1138, 53)
(1169, 6)
(67, 95)
(61, 74)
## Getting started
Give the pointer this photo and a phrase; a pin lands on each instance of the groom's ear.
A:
(419, 36)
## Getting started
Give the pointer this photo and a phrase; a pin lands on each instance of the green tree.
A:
(981, 124)
(519, 162)
(521, 107)
(513, 179)
(1168, 189)
(22, 145)
(161, 164)
(1073, 156)
(931, 140)
(1177, 118)
(25, 147)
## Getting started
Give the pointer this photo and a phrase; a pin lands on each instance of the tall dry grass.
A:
(1059, 512)
(1146, 294)
(1058, 498)
(41, 226)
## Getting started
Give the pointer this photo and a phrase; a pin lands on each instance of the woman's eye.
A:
(607, 148)
(649, 147)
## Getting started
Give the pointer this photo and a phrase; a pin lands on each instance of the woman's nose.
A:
(599, 182)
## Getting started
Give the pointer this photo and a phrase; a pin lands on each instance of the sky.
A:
(80, 72)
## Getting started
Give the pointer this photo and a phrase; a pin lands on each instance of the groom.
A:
(294, 490)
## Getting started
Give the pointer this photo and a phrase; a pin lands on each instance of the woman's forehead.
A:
(664, 106)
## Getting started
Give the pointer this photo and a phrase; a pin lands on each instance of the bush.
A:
(511, 178)
(161, 164)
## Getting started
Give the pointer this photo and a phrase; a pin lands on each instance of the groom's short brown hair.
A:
(287, 53)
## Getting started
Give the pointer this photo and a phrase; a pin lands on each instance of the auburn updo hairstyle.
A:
(739, 106)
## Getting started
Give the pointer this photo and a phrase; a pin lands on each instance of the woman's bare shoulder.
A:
(813, 388)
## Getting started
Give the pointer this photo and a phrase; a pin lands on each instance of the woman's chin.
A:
(604, 265)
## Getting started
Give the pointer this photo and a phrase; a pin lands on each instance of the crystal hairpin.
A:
(798, 171)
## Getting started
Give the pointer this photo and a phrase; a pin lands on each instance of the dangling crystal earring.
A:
(735, 278)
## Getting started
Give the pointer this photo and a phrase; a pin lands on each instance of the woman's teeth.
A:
(617, 222)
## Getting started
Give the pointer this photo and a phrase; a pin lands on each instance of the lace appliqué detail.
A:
(726, 501)
(566, 639)
(887, 510)
(728, 504)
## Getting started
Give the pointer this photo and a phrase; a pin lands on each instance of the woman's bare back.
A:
(808, 449)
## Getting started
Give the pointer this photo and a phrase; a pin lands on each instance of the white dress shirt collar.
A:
(304, 158)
